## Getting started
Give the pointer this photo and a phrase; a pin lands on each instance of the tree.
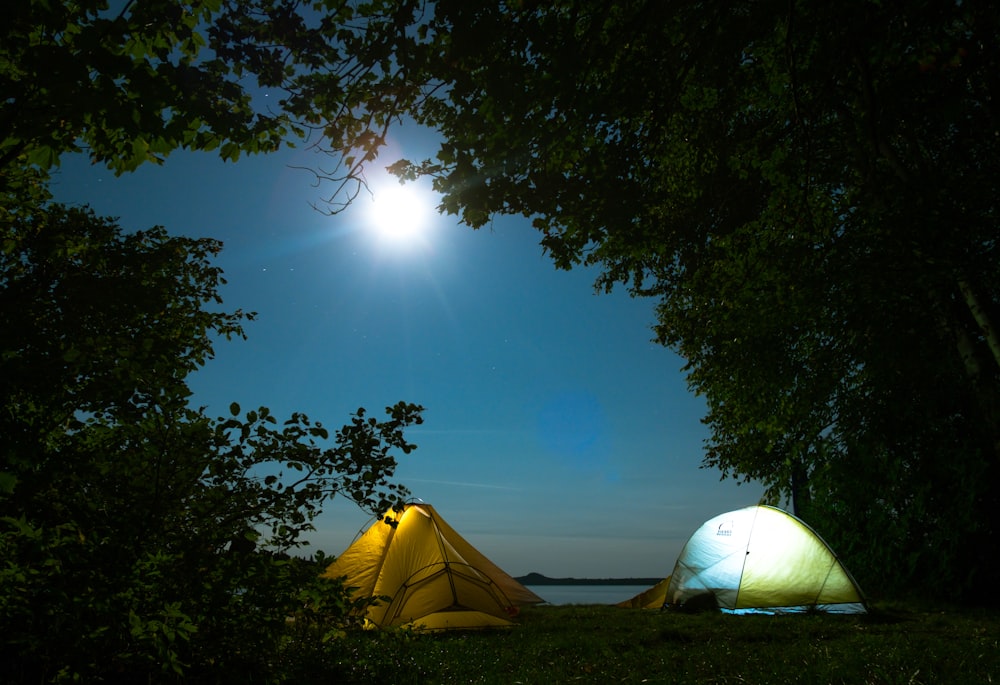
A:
(143, 539)
(140, 537)
(130, 85)
(810, 194)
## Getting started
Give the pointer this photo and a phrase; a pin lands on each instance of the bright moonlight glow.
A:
(400, 213)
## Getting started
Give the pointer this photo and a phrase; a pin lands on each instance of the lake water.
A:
(586, 594)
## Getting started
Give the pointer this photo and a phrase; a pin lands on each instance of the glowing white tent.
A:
(761, 558)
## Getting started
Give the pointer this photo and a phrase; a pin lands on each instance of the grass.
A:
(607, 644)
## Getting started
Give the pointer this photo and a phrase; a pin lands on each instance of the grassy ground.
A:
(606, 644)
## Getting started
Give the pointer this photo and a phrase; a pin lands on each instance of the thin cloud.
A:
(488, 486)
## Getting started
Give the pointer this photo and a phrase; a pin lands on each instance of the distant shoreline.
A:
(539, 579)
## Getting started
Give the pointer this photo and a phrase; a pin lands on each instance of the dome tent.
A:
(762, 559)
(433, 577)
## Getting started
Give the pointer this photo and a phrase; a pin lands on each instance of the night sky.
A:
(557, 437)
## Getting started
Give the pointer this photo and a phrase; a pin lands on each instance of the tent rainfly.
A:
(762, 559)
(653, 598)
(433, 578)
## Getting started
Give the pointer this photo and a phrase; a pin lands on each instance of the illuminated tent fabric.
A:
(434, 578)
(652, 598)
(762, 559)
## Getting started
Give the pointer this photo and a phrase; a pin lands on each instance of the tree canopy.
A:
(809, 192)
(139, 535)
(130, 83)
(142, 539)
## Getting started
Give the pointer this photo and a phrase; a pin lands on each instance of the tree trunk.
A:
(801, 497)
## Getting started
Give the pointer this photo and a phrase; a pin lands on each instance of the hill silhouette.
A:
(539, 579)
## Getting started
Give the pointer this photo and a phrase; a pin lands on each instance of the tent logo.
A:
(725, 529)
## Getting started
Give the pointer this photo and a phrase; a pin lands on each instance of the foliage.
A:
(132, 82)
(142, 539)
(810, 194)
(601, 644)
(808, 191)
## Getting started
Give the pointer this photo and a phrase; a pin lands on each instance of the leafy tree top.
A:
(132, 82)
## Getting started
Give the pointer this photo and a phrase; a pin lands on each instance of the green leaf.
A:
(8, 482)
(230, 152)
(44, 157)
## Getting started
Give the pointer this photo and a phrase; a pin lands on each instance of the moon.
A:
(400, 213)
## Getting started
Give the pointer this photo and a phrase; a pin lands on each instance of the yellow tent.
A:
(653, 598)
(761, 558)
(434, 579)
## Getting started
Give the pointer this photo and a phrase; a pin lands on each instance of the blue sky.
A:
(557, 437)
